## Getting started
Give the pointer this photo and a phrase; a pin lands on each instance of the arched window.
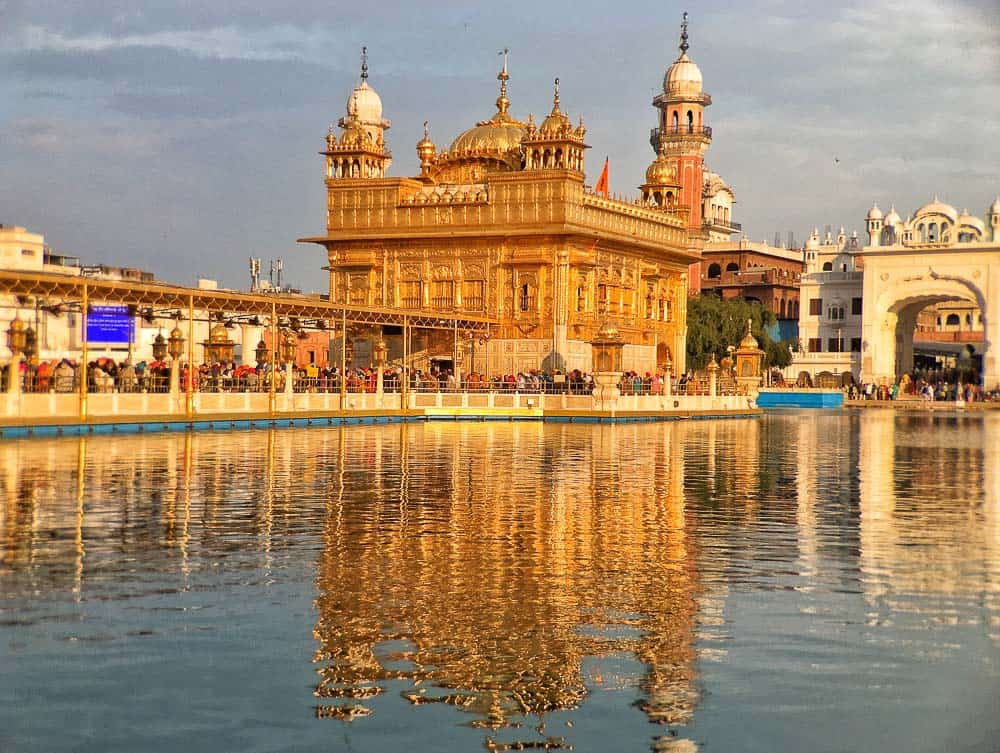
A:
(714, 270)
(690, 122)
(732, 267)
(932, 233)
(525, 297)
(922, 229)
(968, 319)
(953, 320)
(675, 122)
(581, 298)
(828, 266)
(649, 305)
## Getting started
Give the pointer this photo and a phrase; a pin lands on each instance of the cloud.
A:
(224, 104)
(282, 42)
(59, 137)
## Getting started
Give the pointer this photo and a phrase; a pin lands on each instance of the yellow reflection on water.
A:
(487, 583)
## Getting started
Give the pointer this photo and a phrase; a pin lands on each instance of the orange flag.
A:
(601, 186)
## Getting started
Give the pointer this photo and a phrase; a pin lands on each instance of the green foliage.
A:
(715, 324)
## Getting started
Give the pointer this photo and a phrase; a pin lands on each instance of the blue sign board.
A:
(110, 324)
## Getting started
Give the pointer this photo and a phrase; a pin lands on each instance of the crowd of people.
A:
(944, 385)
(106, 375)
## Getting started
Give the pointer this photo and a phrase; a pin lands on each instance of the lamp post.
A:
(30, 343)
(16, 337)
(262, 354)
(380, 353)
(288, 348)
(175, 347)
(159, 347)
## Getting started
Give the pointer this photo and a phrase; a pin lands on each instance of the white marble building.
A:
(859, 305)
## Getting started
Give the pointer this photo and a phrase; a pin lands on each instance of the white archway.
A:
(890, 317)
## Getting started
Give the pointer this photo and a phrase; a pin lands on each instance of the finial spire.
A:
(364, 63)
(684, 34)
(427, 131)
(503, 104)
(555, 95)
(503, 75)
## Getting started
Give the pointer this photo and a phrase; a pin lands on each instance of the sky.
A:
(182, 136)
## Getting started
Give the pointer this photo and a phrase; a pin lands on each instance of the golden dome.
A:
(661, 172)
(489, 137)
(176, 334)
(498, 135)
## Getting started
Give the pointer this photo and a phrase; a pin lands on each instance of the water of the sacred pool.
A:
(798, 582)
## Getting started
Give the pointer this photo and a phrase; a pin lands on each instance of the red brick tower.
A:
(684, 138)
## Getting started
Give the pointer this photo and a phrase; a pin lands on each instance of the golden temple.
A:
(502, 224)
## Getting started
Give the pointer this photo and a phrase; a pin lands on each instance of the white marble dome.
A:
(936, 206)
(683, 78)
(364, 104)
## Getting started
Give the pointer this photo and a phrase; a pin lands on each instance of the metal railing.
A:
(157, 380)
(681, 129)
(714, 222)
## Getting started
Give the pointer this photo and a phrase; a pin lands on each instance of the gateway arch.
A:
(900, 283)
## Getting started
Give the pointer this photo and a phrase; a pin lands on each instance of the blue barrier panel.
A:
(800, 399)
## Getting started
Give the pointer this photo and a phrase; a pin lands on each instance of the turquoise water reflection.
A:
(800, 582)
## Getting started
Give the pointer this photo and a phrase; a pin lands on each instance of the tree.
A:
(714, 324)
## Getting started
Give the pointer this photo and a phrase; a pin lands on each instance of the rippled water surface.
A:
(801, 582)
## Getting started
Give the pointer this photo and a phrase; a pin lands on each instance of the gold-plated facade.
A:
(501, 225)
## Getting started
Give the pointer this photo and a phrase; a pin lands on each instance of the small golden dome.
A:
(556, 123)
(425, 147)
(608, 331)
(354, 135)
(749, 342)
(218, 333)
(176, 334)
(661, 172)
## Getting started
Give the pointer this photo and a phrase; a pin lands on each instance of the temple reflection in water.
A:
(484, 566)
(500, 578)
